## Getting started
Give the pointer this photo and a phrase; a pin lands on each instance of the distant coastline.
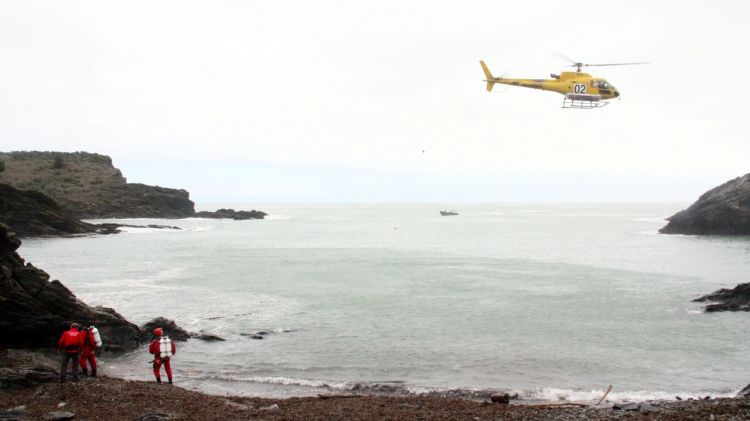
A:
(49, 193)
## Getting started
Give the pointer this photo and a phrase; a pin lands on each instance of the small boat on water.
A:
(448, 213)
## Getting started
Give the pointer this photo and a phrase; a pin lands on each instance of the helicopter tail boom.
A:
(490, 79)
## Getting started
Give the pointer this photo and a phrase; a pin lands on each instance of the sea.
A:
(549, 301)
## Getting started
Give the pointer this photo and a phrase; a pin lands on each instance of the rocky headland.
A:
(735, 299)
(34, 311)
(723, 210)
(32, 214)
(87, 186)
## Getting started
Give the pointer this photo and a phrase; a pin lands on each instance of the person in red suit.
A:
(71, 344)
(162, 348)
(88, 354)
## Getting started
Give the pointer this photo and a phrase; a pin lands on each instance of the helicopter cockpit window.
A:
(603, 84)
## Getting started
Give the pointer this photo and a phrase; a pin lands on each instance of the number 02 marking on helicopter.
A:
(580, 88)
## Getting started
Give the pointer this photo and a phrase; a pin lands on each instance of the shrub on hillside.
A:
(58, 162)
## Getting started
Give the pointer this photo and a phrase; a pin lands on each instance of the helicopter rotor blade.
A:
(566, 58)
(616, 64)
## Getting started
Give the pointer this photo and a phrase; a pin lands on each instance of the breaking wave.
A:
(396, 387)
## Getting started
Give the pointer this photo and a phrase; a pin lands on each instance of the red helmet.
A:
(158, 331)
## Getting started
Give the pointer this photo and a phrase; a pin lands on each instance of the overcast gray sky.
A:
(299, 101)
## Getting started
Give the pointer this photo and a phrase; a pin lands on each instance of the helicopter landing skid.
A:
(582, 104)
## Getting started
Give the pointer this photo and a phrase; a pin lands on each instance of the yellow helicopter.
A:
(581, 90)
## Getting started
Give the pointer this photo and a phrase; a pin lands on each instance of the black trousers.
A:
(64, 366)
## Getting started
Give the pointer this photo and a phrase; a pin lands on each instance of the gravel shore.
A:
(29, 391)
(105, 398)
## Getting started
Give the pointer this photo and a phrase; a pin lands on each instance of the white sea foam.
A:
(593, 395)
(286, 381)
(146, 230)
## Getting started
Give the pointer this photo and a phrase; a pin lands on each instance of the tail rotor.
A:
(488, 75)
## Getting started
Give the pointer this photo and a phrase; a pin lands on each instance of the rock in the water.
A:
(231, 214)
(59, 416)
(34, 311)
(206, 337)
(503, 398)
(170, 328)
(744, 393)
(735, 299)
(724, 210)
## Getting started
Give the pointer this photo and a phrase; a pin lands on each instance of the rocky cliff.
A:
(34, 311)
(89, 186)
(32, 213)
(723, 210)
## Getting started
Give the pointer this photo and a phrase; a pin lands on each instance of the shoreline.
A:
(111, 398)
(107, 398)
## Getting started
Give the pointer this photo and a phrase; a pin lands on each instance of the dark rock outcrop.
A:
(34, 311)
(231, 214)
(744, 393)
(724, 210)
(206, 337)
(29, 375)
(170, 328)
(32, 213)
(735, 299)
(174, 332)
(138, 201)
(503, 398)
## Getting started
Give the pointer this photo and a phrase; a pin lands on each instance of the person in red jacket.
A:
(70, 343)
(88, 353)
(162, 348)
